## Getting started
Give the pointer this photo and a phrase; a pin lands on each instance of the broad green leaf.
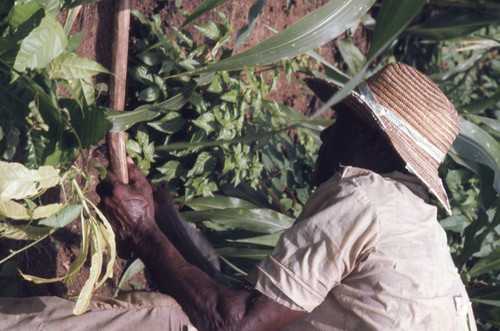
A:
(170, 170)
(491, 122)
(482, 104)
(257, 220)
(454, 23)
(22, 11)
(24, 232)
(63, 217)
(69, 66)
(52, 6)
(89, 117)
(489, 263)
(122, 120)
(46, 211)
(318, 27)
(171, 123)
(475, 144)
(18, 182)
(210, 30)
(13, 210)
(392, 19)
(9, 269)
(246, 32)
(202, 8)
(133, 269)
(218, 202)
(42, 45)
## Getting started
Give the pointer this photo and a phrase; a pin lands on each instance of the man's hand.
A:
(130, 207)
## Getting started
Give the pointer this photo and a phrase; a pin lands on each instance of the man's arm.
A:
(210, 305)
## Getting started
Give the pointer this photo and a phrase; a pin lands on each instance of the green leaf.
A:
(392, 19)
(171, 123)
(90, 117)
(149, 94)
(257, 220)
(266, 240)
(133, 269)
(202, 8)
(495, 303)
(18, 182)
(246, 32)
(170, 170)
(9, 269)
(22, 11)
(69, 66)
(210, 30)
(24, 232)
(218, 202)
(312, 31)
(254, 254)
(52, 6)
(200, 163)
(489, 263)
(475, 144)
(63, 217)
(454, 23)
(42, 45)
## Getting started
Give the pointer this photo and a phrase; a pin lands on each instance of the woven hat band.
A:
(381, 111)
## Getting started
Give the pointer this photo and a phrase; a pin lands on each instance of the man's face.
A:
(344, 143)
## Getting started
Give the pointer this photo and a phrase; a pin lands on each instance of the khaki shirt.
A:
(366, 253)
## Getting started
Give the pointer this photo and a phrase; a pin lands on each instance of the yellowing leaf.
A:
(13, 210)
(24, 232)
(46, 211)
(18, 182)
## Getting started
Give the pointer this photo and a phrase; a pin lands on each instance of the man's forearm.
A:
(207, 303)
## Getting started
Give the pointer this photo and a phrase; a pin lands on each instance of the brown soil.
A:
(53, 257)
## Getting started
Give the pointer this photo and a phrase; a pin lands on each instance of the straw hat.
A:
(412, 113)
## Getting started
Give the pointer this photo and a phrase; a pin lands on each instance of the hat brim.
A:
(427, 173)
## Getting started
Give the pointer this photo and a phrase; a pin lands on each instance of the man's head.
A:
(352, 142)
(410, 112)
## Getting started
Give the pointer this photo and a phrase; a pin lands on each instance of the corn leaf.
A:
(489, 263)
(202, 8)
(257, 220)
(393, 18)
(218, 202)
(266, 240)
(318, 27)
(18, 182)
(246, 31)
(454, 24)
(82, 255)
(475, 144)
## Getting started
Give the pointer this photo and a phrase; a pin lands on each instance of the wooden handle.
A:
(117, 87)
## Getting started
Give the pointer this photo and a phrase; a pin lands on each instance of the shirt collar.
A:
(410, 181)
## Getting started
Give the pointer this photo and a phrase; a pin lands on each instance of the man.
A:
(367, 251)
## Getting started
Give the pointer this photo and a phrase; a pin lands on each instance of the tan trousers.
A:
(131, 311)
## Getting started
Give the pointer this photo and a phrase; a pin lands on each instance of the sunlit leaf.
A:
(218, 202)
(70, 66)
(133, 269)
(17, 182)
(46, 211)
(24, 232)
(312, 31)
(489, 263)
(13, 210)
(202, 8)
(257, 220)
(42, 45)
(246, 31)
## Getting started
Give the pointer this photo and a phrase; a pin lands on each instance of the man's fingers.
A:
(136, 178)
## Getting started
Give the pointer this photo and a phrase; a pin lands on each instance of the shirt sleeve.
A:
(319, 250)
